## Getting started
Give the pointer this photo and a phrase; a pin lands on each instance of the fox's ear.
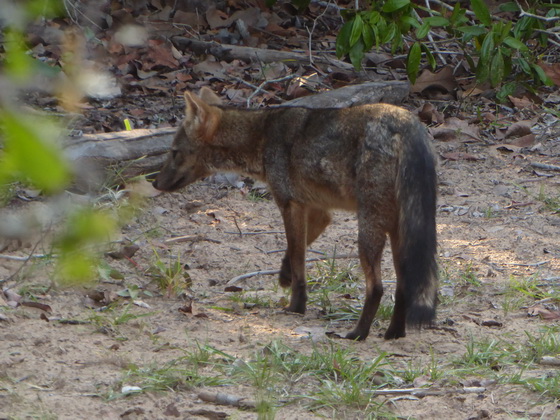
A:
(208, 96)
(194, 109)
(201, 119)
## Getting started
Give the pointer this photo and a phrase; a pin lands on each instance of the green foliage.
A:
(494, 49)
(77, 263)
(386, 23)
(172, 277)
(31, 153)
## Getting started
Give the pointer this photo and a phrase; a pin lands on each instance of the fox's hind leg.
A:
(317, 221)
(371, 241)
(295, 223)
(397, 327)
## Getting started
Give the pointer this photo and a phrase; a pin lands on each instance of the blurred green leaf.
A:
(413, 62)
(86, 225)
(487, 48)
(481, 11)
(459, 15)
(472, 30)
(30, 152)
(45, 8)
(357, 54)
(368, 36)
(76, 268)
(394, 5)
(357, 29)
(410, 21)
(17, 64)
(515, 43)
(506, 90)
(343, 39)
(429, 56)
(524, 64)
(437, 21)
(510, 6)
(423, 30)
(497, 69)
(541, 75)
(389, 33)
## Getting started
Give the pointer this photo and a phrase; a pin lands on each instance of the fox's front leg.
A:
(317, 221)
(295, 223)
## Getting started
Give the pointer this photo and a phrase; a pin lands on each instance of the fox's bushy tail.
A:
(416, 196)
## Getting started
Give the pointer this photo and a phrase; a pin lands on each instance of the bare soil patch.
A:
(494, 232)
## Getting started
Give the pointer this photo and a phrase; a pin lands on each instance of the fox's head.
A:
(187, 160)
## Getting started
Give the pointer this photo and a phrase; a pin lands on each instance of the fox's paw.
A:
(356, 335)
(394, 333)
(298, 309)
(297, 304)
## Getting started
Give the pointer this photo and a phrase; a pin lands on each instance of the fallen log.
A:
(229, 53)
(110, 158)
(104, 158)
(392, 92)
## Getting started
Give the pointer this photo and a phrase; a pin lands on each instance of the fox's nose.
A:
(155, 184)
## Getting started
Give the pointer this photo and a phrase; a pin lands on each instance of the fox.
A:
(375, 160)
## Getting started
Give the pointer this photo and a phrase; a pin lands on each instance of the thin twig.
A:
(449, 7)
(190, 238)
(251, 85)
(310, 38)
(28, 258)
(537, 264)
(275, 251)
(253, 274)
(422, 392)
(16, 258)
(78, 11)
(263, 232)
(531, 15)
(266, 82)
(273, 272)
(327, 4)
(545, 166)
(430, 37)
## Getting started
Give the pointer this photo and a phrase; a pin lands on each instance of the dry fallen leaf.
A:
(186, 308)
(518, 129)
(38, 305)
(159, 55)
(429, 114)
(522, 103)
(472, 91)
(442, 81)
(524, 141)
(552, 71)
(459, 156)
(508, 148)
(216, 18)
(12, 297)
(491, 323)
(544, 313)
(456, 129)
